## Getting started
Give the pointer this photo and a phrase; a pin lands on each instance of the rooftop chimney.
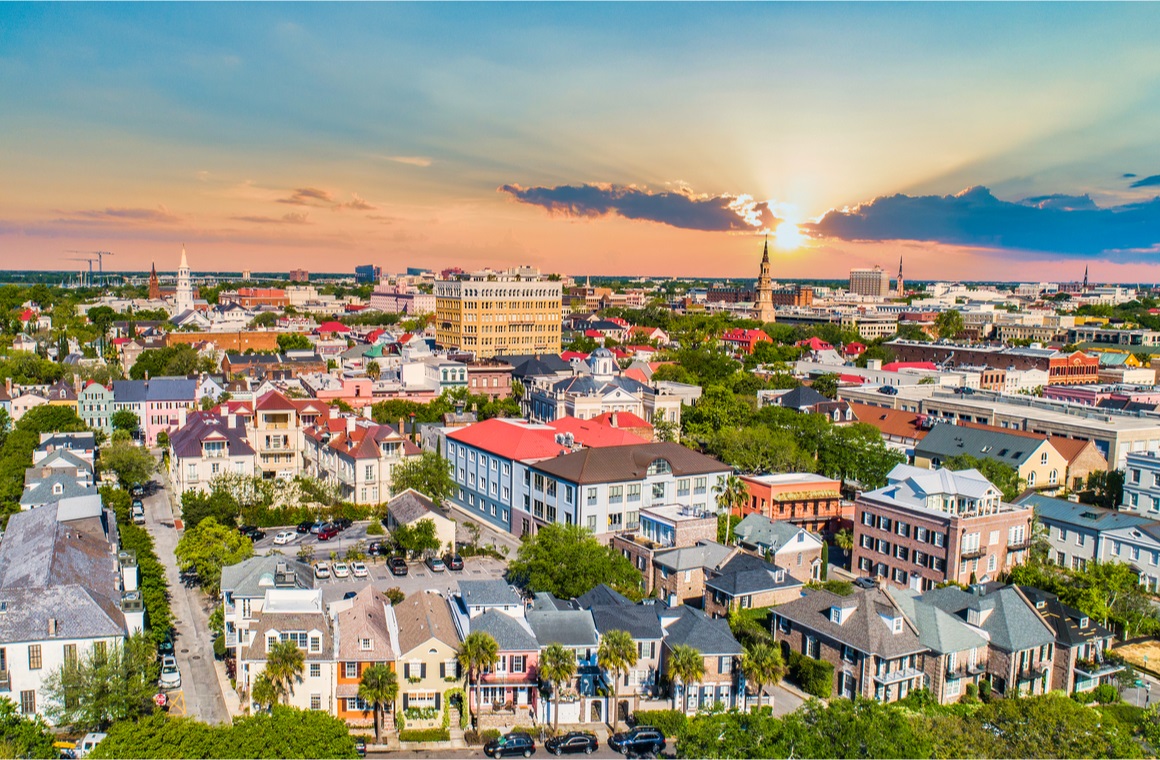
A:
(350, 421)
(52, 627)
(614, 419)
(231, 420)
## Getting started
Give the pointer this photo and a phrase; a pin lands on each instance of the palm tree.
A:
(557, 667)
(373, 370)
(263, 692)
(378, 687)
(732, 493)
(686, 665)
(478, 652)
(284, 665)
(762, 665)
(617, 654)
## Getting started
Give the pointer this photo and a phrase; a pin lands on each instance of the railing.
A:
(1096, 669)
(231, 638)
(964, 671)
(493, 679)
(973, 553)
(1020, 546)
(895, 676)
(1032, 672)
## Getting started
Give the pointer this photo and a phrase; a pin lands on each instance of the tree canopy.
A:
(567, 560)
(207, 548)
(428, 473)
(104, 684)
(132, 463)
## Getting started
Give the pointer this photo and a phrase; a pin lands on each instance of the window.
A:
(939, 538)
(315, 670)
(634, 492)
(658, 491)
(699, 485)
(34, 657)
(867, 519)
(551, 488)
(1043, 458)
(884, 523)
(848, 654)
(569, 494)
(992, 564)
(591, 497)
(350, 670)
(315, 701)
(683, 487)
(299, 638)
(615, 494)
(70, 654)
(28, 702)
(592, 523)
(902, 529)
(519, 663)
(315, 644)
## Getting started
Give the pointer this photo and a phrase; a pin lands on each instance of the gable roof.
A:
(640, 620)
(1065, 620)
(493, 593)
(54, 487)
(510, 439)
(938, 630)
(370, 616)
(864, 629)
(709, 636)
(1080, 515)
(604, 596)
(154, 389)
(510, 634)
(890, 422)
(758, 530)
(570, 628)
(251, 577)
(800, 397)
(747, 574)
(616, 463)
(1012, 622)
(945, 441)
(410, 505)
(422, 616)
(700, 555)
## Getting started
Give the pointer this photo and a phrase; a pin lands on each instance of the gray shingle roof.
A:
(572, 628)
(707, 635)
(494, 593)
(939, 631)
(602, 596)
(703, 554)
(57, 486)
(1009, 618)
(759, 530)
(187, 442)
(1065, 620)
(864, 629)
(799, 398)
(640, 620)
(80, 614)
(411, 505)
(154, 389)
(945, 441)
(251, 577)
(80, 441)
(746, 574)
(1080, 515)
(64, 457)
(511, 634)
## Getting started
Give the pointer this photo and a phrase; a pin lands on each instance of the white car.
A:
(322, 570)
(170, 675)
(285, 537)
(341, 570)
(359, 569)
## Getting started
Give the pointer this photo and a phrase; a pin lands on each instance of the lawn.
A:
(1142, 654)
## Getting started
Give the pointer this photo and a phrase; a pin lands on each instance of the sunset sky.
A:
(979, 141)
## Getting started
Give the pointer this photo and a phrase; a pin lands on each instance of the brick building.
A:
(252, 298)
(927, 527)
(490, 378)
(1076, 368)
(227, 341)
(662, 528)
(810, 501)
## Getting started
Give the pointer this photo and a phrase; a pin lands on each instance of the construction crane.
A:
(81, 278)
(100, 262)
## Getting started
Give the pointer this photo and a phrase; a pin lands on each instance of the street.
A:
(1142, 696)
(200, 692)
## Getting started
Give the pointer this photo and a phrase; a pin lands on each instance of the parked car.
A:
(341, 570)
(166, 646)
(435, 564)
(638, 740)
(342, 523)
(253, 533)
(304, 527)
(170, 675)
(509, 745)
(375, 549)
(138, 515)
(327, 533)
(138, 504)
(285, 537)
(888, 390)
(315, 527)
(322, 570)
(398, 565)
(86, 745)
(573, 742)
(865, 582)
(453, 561)
(137, 490)
(360, 747)
(358, 569)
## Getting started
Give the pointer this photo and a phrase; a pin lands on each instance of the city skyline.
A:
(977, 141)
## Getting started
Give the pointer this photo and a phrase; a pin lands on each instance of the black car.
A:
(342, 523)
(398, 565)
(360, 747)
(888, 390)
(166, 646)
(304, 527)
(509, 745)
(637, 741)
(572, 742)
(453, 561)
(253, 532)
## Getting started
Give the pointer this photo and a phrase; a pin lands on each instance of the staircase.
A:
(453, 728)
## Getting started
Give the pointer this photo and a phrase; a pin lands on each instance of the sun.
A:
(787, 236)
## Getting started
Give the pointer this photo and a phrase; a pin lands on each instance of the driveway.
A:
(200, 689)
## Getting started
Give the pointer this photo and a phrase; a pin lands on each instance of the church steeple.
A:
(1085, 278)
(154, 284)
(763, 294)
(901, 284)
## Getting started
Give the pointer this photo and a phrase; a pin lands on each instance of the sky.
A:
(973, 141)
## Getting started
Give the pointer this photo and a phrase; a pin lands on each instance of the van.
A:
(87, 743)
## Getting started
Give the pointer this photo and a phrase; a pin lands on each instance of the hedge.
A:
(815, 677)
(425, 735)
(670, 722)
(471, 736)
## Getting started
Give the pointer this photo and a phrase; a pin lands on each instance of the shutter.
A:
(406, 700)
(437, 700)
(423, 670)
(442, 670)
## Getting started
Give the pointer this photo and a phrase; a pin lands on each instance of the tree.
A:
(428, 473)
(1050, 725)
(207, 548)
(24, 735)
(857, 452)
(125, 419)
(617, 654)
(218, 504)
(284, 665)
(294, 342)
(567, 560)
(378, 687)
(1003, 476)
(686, 666)
(826, 384)
(417, 539)
(762, 666)
(263, 693)
(732, 493)
(109, 682)
(949, 324)
(477, 652)
(373, 370)
(132, 463)
(557, 667)
(844, 540)
(758, 448)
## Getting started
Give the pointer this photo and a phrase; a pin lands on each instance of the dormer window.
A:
(57, 488)
(897, 625)
(365, 645)
(1083, 622)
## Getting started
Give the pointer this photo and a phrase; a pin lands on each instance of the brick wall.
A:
(227, 341)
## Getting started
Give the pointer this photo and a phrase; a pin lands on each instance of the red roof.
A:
(623, 420)
(27, 314)
(593, 334)
(570, 355)
(853, 379)
(745, 336)
(332, 327)
(275, 401)
(354, 307)
(637, 374)
(373, 335)
(620, 353)
(854, 349)
(120, 341)
(647, 349)
(895, 366)
(510, 439)
(595, 433)
(617, 320)
(815, 344)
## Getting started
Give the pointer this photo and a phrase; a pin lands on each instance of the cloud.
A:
(308, 196)
(358, 204)
(1129, 175)
(1059, 224)
(160, 215)
(291, 218)
(680, 208)
(422, 161)
(1147, 181)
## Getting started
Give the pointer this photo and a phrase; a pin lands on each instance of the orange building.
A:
(1073, 369)
(809, 501)
(364, 639)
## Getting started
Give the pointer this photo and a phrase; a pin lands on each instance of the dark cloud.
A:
(358, 204)
(1054, 224)
(291, 218)
(308, 196)
(159, 214)
(1129, 175)
(681, 208)
(1147, 181)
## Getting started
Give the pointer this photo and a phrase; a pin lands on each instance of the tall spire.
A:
(1085, 275)
(184, 262)
(765, 254)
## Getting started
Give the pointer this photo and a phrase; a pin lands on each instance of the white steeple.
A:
(183, 298)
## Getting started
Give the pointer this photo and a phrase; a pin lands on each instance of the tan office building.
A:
(498, 315)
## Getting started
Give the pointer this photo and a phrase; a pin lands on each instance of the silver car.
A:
(170, 675)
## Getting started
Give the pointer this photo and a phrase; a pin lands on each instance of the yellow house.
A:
(1039, 464)
(428, 664)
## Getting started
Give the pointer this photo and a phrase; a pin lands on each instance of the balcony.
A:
(1020, 546)
(895, 676)
(968, 554)
(1032, 673)
(1096, 668)
(961, 671)
(231, 639)
(5, 681)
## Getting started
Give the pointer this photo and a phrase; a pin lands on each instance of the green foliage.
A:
(557, 667)
(395, 595)
(616, 655)
(375, 528)
(425, 735)
(671, 723)
(103, 685)
(151, 573)
(378, 687)
(218, 504)
(294, 342)
(428, 473)
(1104, 488)
(1105, 591)
(1105, 694)
(815, 677)
(207, 548)
(1004, 476)
(24, 736)
(29, 369)
(125, 419)
(758, 449)
(567, 560)
(132, 463)
(417, 539)
(826, 384)
(283, 733)
(948, 324)
(170, 361)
